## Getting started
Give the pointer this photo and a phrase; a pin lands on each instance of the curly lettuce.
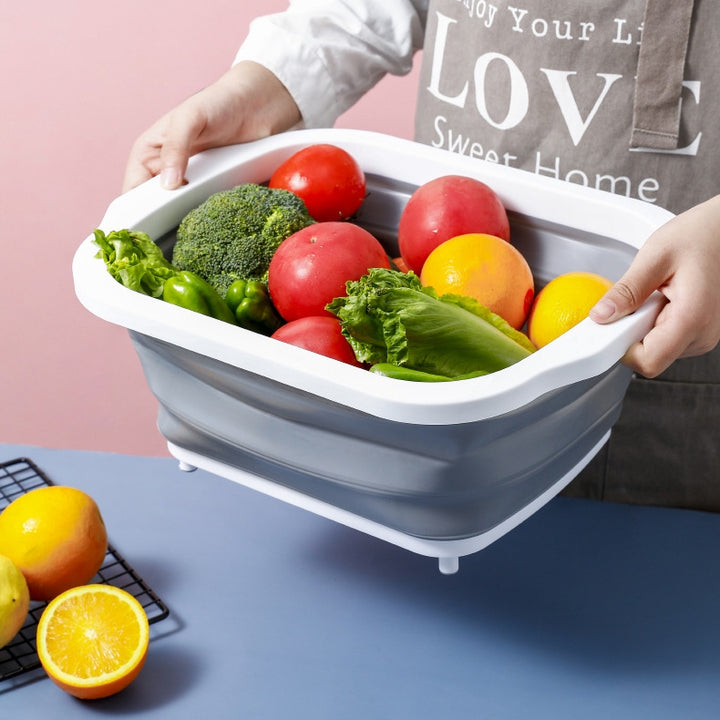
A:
(389, 317)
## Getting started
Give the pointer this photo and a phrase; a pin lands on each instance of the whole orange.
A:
(484, 267)
(56, 536)
(563, 303)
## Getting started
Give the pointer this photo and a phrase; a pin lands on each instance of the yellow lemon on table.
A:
(14, 600)
(56, 536)
(92, 640)
(484, 267)
(563, 303)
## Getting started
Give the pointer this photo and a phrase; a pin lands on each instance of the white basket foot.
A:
(448, 565)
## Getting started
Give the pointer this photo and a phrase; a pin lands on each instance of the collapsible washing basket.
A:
(441, 469)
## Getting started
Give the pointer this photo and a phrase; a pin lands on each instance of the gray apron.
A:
(624, 96)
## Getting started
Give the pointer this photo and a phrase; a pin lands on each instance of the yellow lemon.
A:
(14, 600)
(563, 303)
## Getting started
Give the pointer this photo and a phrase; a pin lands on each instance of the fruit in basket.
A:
(319, 334)
(443, 208)
(484, 267)
(563, 303)
(92, 640)
(327, 178)
(14, 600)
(56, 536)
(311, 267)
(234, 233)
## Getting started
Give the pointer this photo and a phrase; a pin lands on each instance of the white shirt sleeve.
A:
(328, 53)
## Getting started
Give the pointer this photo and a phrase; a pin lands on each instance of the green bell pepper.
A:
(250, 302)
(190, 291)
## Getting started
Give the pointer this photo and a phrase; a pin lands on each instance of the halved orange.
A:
(92, 640)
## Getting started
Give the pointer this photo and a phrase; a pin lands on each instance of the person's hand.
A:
(681, 260)
(248, 102)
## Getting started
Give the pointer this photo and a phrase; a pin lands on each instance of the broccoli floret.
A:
(234, 233)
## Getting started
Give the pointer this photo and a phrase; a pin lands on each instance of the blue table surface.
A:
(587, 610)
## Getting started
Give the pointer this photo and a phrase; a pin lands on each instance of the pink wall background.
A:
(81, 79)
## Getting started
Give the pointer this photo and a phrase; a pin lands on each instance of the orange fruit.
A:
(56, 536)
(563, 303)
(92, 640)
(484, 267)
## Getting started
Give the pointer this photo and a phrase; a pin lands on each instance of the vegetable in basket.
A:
(234, 233)
(136, 262)
(400, 372)
(250, 302)
(389, 317)
(190, 291)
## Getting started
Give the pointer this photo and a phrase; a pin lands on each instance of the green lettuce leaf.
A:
(389, 317)
(134, 260)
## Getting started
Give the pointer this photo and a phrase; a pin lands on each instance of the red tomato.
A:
(444, 208)
(319, 334)
(327, 178)
(311, 267)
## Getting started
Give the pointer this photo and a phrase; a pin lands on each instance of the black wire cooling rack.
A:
(16, 478)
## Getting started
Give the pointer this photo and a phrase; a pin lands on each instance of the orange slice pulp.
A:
(92, 640)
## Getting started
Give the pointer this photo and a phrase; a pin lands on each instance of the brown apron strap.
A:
(656, 111)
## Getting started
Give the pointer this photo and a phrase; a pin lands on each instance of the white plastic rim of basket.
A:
(586, 351)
